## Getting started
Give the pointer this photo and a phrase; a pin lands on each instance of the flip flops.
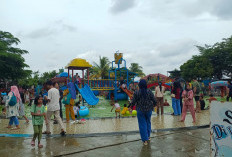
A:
(32, 143)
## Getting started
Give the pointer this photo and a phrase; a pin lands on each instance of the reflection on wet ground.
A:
(178, 143)
(114, 125)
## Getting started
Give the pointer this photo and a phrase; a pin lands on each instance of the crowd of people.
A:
(144, 101)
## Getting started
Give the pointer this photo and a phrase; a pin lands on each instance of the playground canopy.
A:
(78, 64)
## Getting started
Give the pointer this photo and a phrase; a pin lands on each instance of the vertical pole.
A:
(115, 88)
(88, 75)
(127, 77)
(83, 76)
(68, 76)
(72, 76)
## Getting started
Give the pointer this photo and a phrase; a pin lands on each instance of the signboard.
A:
(221, 129)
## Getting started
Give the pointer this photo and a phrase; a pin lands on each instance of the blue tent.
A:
(63, 74)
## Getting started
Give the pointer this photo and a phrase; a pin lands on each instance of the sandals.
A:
(40, 146)
(145, 143)
(32, 143)
(16, 128)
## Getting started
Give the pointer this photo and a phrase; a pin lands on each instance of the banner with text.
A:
(221, 129)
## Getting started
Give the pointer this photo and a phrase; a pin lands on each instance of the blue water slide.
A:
(88, 95)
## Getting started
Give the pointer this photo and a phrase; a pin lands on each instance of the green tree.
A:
(137, 69)
(220, 56)
(12, 63)
(47, 76)
(100, 70)
(36, 79)
(198, 66)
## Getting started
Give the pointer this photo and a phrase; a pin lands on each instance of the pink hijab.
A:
(15, 90)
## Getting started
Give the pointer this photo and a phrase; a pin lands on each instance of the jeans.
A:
(144, 120)
(14, 120)
(176, 106)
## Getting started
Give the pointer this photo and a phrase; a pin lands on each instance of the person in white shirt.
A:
(53, 108)
(159, 95)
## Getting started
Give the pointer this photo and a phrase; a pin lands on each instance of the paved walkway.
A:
(185, 143)
(112, 125)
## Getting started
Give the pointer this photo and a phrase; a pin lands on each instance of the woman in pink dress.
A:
(187, 96)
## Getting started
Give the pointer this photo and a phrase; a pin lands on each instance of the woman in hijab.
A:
(145, 102)
(69, 107)
(12, 112)
(188, 103)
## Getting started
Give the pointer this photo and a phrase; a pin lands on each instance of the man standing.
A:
(196, 91)
(53, 108)
(229, 91)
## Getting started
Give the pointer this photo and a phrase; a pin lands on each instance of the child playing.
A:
(124, 109)
(166, 103)
(202, 102)
(76, 109)
(187, 95)
(38, 115)
(117, 108)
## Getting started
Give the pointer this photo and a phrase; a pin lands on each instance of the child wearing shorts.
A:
(117, 108)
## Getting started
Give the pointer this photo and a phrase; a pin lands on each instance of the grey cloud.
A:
(177, 48)
(69, 28)
(179, 9)
(121, 6)
(222, 9)
(218, 8)
(50, 30)
(42, 32)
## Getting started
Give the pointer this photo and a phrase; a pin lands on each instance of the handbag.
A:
(13, 100)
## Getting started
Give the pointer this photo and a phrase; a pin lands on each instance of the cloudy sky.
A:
(160, 35)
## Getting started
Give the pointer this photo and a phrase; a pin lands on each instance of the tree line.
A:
(213, 62)
(14, 70)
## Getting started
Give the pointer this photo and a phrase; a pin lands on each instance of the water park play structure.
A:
(88, 88)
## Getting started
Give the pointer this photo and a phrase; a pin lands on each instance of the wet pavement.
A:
(184, 143)
(112, 125)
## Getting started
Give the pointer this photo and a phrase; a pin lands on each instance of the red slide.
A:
(128, 92)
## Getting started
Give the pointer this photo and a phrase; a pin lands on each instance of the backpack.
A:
(66, 99)
(13, 100)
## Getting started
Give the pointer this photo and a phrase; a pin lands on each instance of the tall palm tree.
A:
(100, 70)
(137, 69)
